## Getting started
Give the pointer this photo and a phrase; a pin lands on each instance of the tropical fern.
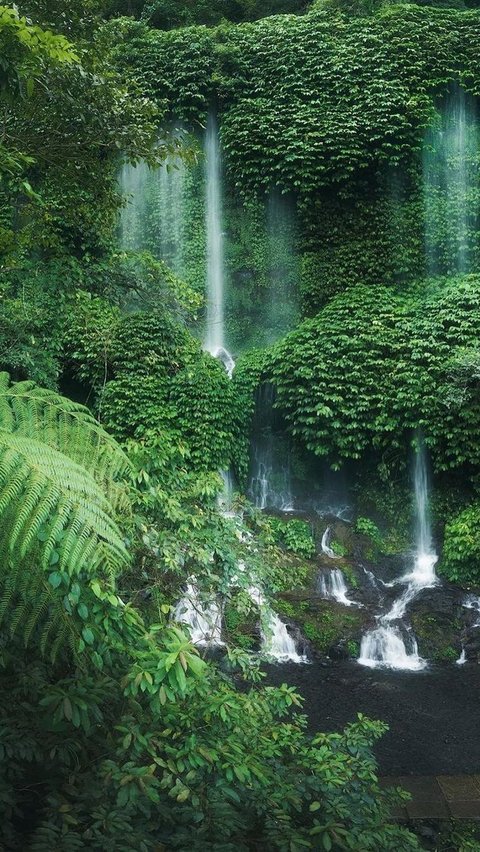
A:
(59, 483)
(33, 412)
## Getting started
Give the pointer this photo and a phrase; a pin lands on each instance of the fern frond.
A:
(38, 487)
(66, 426)
(58, 477)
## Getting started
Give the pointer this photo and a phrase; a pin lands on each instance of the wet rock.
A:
(339, 651)
(472, 647)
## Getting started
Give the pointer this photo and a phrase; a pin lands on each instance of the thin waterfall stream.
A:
(214, 341)
(393, 644)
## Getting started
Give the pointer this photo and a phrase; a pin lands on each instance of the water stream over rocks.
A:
(392, 644)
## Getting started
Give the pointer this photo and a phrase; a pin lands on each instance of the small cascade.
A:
(332, 587)
(276, 640)
(470, 602)
(473, 602)
(270, 480)
(203, 621)
(386, 647)
(391, 644)
(215, 285)
(450, 176)
(325, 544)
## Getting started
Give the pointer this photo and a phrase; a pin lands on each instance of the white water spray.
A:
(391, 645)
(276, 640)
(325, 544)
(270, 480)
(204, 621)
(332, 586)
(386, 647)
(450, 173)
(215, 284)
(154, 216)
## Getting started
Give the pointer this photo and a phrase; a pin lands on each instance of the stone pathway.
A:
(438, 796)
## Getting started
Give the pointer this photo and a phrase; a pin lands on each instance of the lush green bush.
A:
(375, 364)
(293, 534)
(321, 120)
(160, 379)
(460, 560)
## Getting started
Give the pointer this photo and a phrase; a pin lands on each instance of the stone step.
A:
(438, 796)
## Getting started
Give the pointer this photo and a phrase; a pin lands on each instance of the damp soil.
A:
(433, 715)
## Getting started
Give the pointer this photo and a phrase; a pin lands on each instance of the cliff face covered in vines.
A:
(333, 109)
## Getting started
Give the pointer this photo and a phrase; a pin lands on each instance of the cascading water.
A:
(133, 182)
(276, 640)
(451, 181)
(215, 286)
(332, 586)
(392, 644)
(270, 480)
(153, 217)
(280, 313)
(170, 197)
(470, 602)
(325, 544)
(388, 647)
(204, 621)
(225, 498)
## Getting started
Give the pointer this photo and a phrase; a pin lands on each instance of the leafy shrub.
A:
(460, 560)
(393, 373)
(162, 380)
(294, 534)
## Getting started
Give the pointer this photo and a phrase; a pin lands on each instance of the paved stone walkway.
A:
(439, 796)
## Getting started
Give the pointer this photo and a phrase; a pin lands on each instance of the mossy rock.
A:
(438, 636)
(325, 624)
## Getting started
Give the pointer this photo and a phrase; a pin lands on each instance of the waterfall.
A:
(276, 640)
(332, 586)
(450, 177)
(281, 309)
(470, 602)
(386, 646)
(153, 217)
(325, 544)
(203, 621)
(270, 480)
(133, 182)
(215, 285)
(170, 198)
(225, 498)
(473, 602)
(425, 558)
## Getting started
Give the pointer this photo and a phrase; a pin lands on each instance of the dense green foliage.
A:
(344, 136)
(376, 363)
(115, 732)
(130, 736)
(461, 548)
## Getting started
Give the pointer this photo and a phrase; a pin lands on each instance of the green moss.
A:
(323, 623)
(437, 636)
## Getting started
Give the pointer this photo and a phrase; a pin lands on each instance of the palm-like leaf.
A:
(59, 473)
